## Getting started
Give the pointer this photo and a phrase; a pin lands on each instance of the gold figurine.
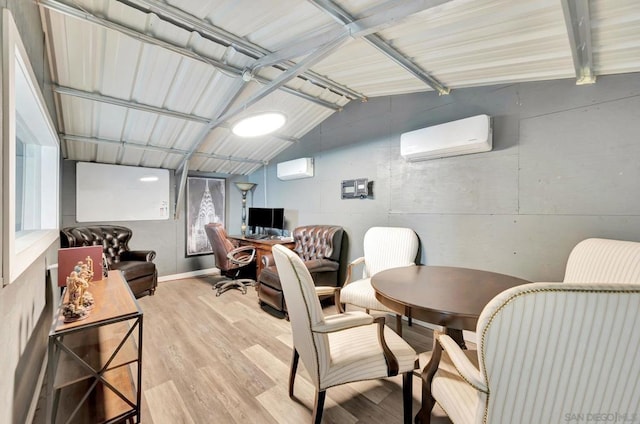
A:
(80, 300)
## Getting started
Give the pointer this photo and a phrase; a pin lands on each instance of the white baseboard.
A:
(197, 273)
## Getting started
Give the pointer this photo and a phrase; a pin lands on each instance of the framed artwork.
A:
(205, 204)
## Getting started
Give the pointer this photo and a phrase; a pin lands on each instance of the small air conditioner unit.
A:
(294, 169)
(461, 137)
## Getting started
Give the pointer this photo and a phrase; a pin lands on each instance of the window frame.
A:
(20, 249)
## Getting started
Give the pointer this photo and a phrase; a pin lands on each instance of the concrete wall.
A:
(26, 305)
(565, 166)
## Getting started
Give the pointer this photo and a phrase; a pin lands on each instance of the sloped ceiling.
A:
(160, 83)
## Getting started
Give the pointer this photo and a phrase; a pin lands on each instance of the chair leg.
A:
(407, 396)
(317, 408)
(294, 367)
(399, 325)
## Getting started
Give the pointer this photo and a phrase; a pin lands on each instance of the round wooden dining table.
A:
(450, 297)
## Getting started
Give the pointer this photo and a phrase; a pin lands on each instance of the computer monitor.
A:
(266, 218)
(278, 219)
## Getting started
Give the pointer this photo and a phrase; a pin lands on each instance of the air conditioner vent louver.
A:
(461, 137)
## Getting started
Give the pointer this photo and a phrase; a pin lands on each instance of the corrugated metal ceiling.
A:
(154, 83)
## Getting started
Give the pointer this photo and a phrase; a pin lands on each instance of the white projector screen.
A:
(121, 193)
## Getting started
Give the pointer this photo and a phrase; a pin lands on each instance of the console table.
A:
(263, 247)
(95, 364)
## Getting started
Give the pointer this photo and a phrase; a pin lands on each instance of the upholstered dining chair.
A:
(604, 261)
(342, 348)
(384, 248)
(231, 260)
(547, 353)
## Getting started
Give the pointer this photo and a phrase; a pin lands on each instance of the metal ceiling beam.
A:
(578, 21)
(299, 48)
(128, 104)
(343, 17)
(289, 74)
(387, 15)
(133, 33)
(149, 108)
(199, 139)
(376, 19)
(170, 150)
(218, 35)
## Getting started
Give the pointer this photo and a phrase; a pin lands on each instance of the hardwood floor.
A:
(209, 359)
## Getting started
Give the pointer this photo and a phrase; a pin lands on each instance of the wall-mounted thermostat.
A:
(360, 188)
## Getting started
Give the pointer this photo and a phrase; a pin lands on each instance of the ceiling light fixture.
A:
(257, 125)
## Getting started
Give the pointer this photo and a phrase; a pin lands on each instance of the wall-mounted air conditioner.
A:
(461, 137)
(294, 169)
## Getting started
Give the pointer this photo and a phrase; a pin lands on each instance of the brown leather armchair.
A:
(319, 247)
(136, 265)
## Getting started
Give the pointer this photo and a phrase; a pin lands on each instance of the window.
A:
(30, 161)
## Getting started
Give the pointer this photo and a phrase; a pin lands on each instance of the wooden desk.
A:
(263, 247)
(95, 364)
(447, 296)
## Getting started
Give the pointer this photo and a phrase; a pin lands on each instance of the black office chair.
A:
(237, 263)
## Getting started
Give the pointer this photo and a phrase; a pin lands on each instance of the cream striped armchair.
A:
(604, 261)
(342, 348)
(384, 248)
(548, 352)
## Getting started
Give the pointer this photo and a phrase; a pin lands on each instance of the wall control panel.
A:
(360, 188)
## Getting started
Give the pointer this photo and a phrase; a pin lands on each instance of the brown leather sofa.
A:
(136, 265)
(319, 247)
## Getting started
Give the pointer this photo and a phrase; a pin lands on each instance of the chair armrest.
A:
(338, 322)
(462, 364)
(353, 263)
(330, 290)
(138, 255)
(389, 357)
(267, 260)
(326, 290)
(243, 255)
(322, 265)
(343, 321)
